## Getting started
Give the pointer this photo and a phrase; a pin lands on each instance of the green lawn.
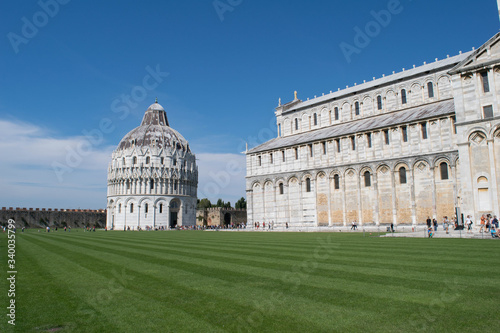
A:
(195, 281)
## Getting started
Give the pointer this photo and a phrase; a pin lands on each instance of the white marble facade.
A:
(152, 178)
(418, 143)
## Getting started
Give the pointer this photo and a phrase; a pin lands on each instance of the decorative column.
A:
(412, 196)
(394, 208)
(375, 188)
(344, 200)
(493, 175)
(434, 202)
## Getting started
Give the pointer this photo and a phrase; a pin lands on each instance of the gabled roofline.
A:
(460, 66)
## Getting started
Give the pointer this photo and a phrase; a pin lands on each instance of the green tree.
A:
(204, 203)
(241, 204)
(220, 203)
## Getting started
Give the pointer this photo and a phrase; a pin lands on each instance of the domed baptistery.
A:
(152, 178)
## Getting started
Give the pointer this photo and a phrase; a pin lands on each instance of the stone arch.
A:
(292, 177)
(157, 200)
(322, 205)
(324, 118)
(141, 200)
(390, 100)
(439, 159)
(130, 199)
(279, 180)
(382, 164)
(304, 118)
(335, 172)
(305, 175)
(494, 131)
(415, 93)
(175, 207)
(268, 181)
(255, 183)
(384, 193)
(350, 172)
(367, 106)
(364, 169)
(477, 137)
(286, 128)
(320, 173)
(421, 160)
(443, 85)
(400, 164)
(345, 111)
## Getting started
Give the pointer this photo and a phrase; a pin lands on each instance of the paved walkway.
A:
(420, 231)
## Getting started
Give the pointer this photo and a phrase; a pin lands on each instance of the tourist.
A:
(435, 224)
(494, 221)
(493, 232)
(429, 221)
(354, 225)
(483, 223)
(429, 232)
(469, 223)
(445, 222)
(286, 224)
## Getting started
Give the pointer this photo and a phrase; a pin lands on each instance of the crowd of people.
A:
(270, 225)
(488, 223)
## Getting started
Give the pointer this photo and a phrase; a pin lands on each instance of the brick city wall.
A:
(41, 218)
(220, 216)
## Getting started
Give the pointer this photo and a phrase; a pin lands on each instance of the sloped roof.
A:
(368, 124)
(448, 62)
(469, 62)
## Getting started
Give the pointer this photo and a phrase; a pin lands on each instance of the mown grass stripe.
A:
(228, 281)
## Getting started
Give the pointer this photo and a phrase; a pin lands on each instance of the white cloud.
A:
(221, 176)
(29, 178)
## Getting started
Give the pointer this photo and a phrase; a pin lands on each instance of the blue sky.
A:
(227, 61)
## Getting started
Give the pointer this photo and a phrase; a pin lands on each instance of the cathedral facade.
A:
(152, 177)
(423, 142)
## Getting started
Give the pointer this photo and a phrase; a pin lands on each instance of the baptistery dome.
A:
(152, 178)
(154, 131)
